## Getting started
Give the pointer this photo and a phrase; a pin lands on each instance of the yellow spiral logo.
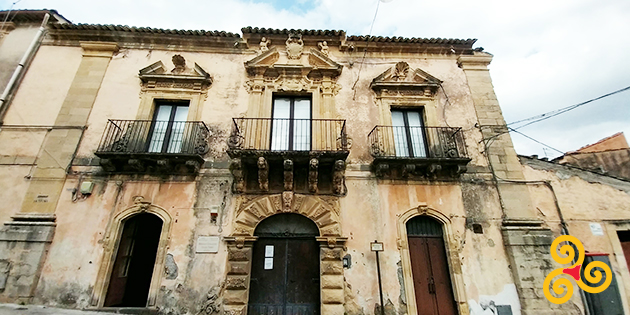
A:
(563, 287)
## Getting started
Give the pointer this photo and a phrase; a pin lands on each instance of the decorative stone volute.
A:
(402, 80)
(180, 77)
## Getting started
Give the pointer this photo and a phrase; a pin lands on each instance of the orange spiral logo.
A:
(563, 287)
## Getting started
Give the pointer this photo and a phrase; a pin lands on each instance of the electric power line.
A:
(365, 51)
(557, 112)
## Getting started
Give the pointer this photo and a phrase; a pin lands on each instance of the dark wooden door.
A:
(431, 278)
(135, 260)
(285, 277)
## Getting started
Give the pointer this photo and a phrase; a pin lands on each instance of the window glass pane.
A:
(280, 129)
(399, 135)
(159, 127)
(416, 134)
(178, 129)
(302, 125)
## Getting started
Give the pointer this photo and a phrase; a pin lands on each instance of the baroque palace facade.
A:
(277, 172)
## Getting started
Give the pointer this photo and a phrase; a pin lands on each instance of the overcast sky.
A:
(549, 54)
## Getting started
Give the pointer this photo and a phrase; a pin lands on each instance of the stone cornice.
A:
(99, 49)
(478, 61)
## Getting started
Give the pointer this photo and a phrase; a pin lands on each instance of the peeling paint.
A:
(489, 304)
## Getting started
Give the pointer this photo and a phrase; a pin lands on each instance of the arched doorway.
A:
(429, 266)
(285, 267)
(133, 268)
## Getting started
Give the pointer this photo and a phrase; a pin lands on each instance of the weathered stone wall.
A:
(584, 198)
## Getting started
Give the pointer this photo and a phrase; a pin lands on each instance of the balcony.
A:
(302, 155)
(158, 147)
(420, 152)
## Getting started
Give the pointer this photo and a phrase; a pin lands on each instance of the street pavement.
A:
(14, 309)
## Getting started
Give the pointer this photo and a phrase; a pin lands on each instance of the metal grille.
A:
(417, 142)
(424, 226)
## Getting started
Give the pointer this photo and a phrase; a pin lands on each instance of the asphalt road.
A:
(14, 309)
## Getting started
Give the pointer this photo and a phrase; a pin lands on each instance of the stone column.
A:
(526, 242)
(331, 269)
(238, 275)
(24, 242)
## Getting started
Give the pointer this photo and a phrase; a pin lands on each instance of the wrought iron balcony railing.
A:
(149, 137)
(406, 142)
(282, 135)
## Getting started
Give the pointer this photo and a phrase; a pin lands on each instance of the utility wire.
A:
(530, 138)
(378, 2)
(541, 117)
(557, 112)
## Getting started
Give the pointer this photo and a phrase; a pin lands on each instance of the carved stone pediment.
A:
(312, 64)
(157, 75)
(403, 80)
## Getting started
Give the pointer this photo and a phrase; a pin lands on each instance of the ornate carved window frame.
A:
(305, 73)
(457, 278)
(406, 88)
(181, 83)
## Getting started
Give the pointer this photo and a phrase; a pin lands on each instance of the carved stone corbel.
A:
(136, 164)
(313, 166)
(339, 177)
(193, 166)
(263, 174)
(408, 170)
(382, 169)
(236, 167)
(288, 175)
(287, 200)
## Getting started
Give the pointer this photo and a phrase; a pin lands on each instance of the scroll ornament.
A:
(562, 287)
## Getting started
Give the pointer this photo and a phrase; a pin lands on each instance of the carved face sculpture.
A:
(314, 163)
(288, 164)
(262, 163)
(340, 165)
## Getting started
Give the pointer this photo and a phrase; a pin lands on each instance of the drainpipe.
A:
(4, 99)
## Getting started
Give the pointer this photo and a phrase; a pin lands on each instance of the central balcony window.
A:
(291, 124)
(289, 151)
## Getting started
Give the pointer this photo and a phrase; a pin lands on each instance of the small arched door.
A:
(285, 267)
(131, 275)
(431, 277)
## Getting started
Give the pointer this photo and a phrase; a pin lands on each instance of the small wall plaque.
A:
(596, 229)
(207, 244)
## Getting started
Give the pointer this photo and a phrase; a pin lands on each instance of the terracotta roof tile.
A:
(394, 39)
(256, 30)
(149, 30)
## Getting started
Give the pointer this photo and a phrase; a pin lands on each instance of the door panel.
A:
(421, 269)
(291, 286)
(441, 277)
(431, 278)
(134, 263)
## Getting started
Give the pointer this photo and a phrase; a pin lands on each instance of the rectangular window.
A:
(168, 127)
(291, 124)
(408, 131)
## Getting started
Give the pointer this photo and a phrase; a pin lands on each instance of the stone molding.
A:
(451, 242)
(111, 242)
(478, 61)
(323, 210)
(99, 49)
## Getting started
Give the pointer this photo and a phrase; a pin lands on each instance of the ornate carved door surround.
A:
(251, 210)
(451, 242)
(111, 242)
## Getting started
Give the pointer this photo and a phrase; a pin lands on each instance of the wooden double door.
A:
(285, 277)
(431, 276)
